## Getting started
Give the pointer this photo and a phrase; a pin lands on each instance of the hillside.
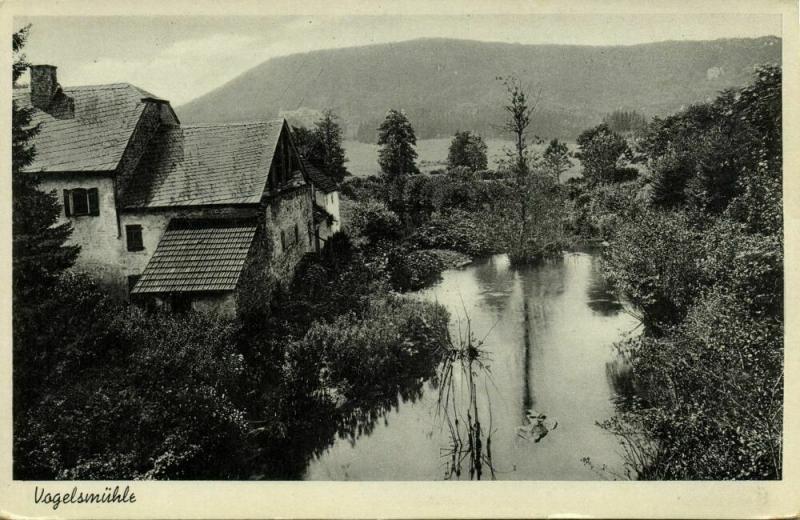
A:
(445, 85)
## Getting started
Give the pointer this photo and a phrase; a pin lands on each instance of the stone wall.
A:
(283, 212)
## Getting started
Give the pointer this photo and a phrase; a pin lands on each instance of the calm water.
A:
(548, 334)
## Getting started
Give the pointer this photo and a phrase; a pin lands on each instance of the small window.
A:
(283, 241)
(81, 202)
(296, 234)
(133, 236)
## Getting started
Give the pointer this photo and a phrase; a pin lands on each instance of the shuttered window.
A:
(133, 237)
(81, 202)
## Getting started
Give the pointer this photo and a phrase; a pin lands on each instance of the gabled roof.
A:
(319, 179)
(204, 164)
(198, 255)
(95, 138)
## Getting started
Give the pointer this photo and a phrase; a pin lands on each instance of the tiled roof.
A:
(93, 140)
(198, 255)
(319, 179)
(204, 164)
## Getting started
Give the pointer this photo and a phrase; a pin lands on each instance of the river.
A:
(539, 385)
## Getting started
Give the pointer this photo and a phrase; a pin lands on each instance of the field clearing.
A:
(432, 155)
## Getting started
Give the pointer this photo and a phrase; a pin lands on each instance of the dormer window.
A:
(81, 202)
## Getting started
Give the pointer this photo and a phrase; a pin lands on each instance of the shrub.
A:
(460, 231)
(415, 269)
(137, 395)
(712, 395)
(373, 221)
(361, 353)
(655, 262)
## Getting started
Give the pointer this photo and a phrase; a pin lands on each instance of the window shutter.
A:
(67, 212)
(94, 202)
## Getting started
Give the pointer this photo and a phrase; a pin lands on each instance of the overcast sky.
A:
(180, 58)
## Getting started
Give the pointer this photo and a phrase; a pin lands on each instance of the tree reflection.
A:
(315, 420)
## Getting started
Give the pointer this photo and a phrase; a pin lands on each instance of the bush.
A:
(596, 212)
(655, 261)
(415, 269)
(361, 353)
(136, 395)
(712, 395)
(460, 231)
(372, 221)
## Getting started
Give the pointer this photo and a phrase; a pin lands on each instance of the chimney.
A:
(46, 93)
(43, 86)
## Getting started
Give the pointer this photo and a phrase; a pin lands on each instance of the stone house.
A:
(179, 215)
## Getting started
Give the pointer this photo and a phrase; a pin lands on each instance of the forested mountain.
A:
(446, 85)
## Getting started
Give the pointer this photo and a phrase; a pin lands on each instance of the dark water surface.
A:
(536, 390)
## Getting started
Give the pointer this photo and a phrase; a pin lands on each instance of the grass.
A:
(432, 155)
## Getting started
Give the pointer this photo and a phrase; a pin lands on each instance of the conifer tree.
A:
(397, 156)
(328, 134)
(467, 149)
(39, 254)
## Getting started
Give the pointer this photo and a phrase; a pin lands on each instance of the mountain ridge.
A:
(449, 84)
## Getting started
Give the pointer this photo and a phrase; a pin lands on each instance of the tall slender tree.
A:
(328, 134)
(531, 224)
(397, 156)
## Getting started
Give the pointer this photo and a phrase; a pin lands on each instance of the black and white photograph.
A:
(394, 247)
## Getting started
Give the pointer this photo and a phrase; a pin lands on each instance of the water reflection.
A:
(496, 281)
(601, 299)
(545, 334)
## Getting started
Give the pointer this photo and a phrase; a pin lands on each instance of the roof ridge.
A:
(121, 84)
(232, 123)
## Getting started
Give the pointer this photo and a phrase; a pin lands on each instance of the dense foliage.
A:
(109, 391)
(113, 392)
(697, 250)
